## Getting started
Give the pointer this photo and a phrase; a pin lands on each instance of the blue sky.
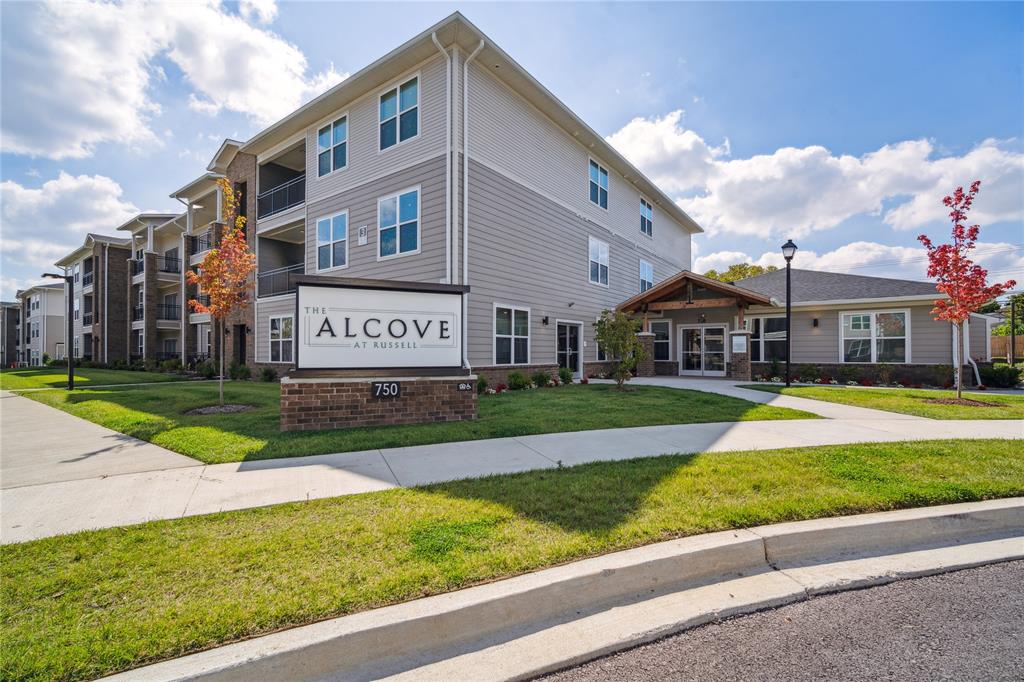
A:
(841, 125)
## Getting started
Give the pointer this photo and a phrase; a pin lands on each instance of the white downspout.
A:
(447, 163)
(465, 198)
(106, 301)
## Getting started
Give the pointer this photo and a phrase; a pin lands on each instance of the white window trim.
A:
(748, 325)
(590, 239)
(397, 85)
(641, 279)
(398, 217)
(330, 121)
(669, 323)
(348, 238)
(270, 341)
(874, 335)
(600, 167)
(650, 204)
(494, 334)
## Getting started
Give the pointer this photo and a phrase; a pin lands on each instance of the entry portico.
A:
(695, 326)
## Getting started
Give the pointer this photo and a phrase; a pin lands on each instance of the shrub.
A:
(1000, 376)
(500, 388)
(481, 385)
(46, 358)
(239, 372)
(207, 369)
(847, 374)
(268, 374)
(119, 364)
(584, 380)
(541, 379)
(884, 373)
(517, 381)
(808, 373)
(170, 366)
(775, 368)
(565, 374)
(616, 333)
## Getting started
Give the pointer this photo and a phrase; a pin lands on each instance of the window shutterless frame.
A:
(871, 316)
(386, 115)
(597, 183)
(281, 336)
(384, 223)
(646, 276)
(334, 132)
(646, 218)
(332, 230)
(598, 261)
(511, 335)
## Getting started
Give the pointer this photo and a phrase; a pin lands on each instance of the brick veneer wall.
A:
(935, 375)
(336, 403)
(666, 368)
(498, 374)
(645, 368)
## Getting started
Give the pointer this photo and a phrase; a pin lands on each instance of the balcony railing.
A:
(168, 264)
(203, 242)
(282, 197)
(138, 313)
(87, 279)
(86, 319)
(279, 281)
(138, 266)
(202, 298)
(166, 311)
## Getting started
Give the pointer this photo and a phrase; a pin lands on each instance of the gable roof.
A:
(456, 29)
(91, 239)
(675, 286)
(819, 286)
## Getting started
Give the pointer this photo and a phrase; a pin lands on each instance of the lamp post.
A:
(68, 354)
(788, 251)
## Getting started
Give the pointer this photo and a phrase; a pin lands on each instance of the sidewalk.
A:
(171, 489)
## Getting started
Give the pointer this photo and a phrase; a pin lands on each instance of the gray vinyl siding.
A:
(265, 309)
(528, 251)
(365, 162)
(509, 134)
(977, 337)
(361, 202)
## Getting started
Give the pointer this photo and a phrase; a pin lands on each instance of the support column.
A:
(645, 368)
(739, 357)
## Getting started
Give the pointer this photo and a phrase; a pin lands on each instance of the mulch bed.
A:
(219, 409)
(962, 401)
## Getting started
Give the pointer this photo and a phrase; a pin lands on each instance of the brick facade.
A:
(738, 367)
(337, 403)
(908, 375)
(645, 368)
(498, 374)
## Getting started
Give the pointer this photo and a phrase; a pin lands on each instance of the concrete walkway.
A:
(96, 482)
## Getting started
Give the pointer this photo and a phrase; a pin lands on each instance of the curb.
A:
(558, 617)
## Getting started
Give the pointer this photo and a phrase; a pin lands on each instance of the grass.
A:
(57, 377)
(156, 414)
(909, 401)
(89, 604)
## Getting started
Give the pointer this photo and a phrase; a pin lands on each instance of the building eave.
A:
(225, 154)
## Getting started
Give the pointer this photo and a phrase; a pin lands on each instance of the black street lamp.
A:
(788, 251)
(68, 354)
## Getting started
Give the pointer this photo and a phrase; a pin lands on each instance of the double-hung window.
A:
(78, 306)
(281, 338)
(332, 146)
(77, 347)
(332, 241)
(874, 336)
(767, 338)
(646, 276)
(511, 335)
(598, 184)
(78, 274)
(399, 113)
(398, 227)
(660, 329)
(646, 218)
(598, 262)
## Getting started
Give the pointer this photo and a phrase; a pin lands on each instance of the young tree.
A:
(956, 275)
(738, 271)
(616, 334)
(224, 272)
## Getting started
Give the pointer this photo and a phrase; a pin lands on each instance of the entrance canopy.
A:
(688, 290)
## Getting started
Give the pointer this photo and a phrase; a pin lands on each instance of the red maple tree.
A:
(963, 281)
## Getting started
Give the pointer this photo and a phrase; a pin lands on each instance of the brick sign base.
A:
(318, 403)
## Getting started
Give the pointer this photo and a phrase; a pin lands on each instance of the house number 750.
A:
(386, 389)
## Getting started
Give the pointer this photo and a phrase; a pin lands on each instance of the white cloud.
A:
(264, 11)
(796, 191)
(79, 74)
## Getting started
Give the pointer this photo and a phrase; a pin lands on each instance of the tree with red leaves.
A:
(958, 277)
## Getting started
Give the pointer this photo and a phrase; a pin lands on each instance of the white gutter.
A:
(447, 162)
(465, 196)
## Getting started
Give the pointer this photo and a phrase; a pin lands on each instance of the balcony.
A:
(202, 242)
(138, 313)
(87, 319)
(168, 264)
(138, 266)
(281, 198)
(166, 311)
(87, 279)
(279, 281)
(204, 299)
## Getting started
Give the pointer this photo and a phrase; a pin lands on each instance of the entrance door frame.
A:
(724, 326)
(578, 372)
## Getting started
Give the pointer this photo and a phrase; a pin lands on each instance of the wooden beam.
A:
(700, 303)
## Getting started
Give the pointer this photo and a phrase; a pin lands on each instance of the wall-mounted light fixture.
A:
(544, 320)
(702, 318)
(814, 322)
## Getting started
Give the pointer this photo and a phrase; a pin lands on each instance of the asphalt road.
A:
(967, 625)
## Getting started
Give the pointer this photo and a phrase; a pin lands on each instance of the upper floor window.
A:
(332, 242)
(398, 227)
(646, 218)
(598, 262)
(78, 306)
(78, 273)
(646, 276)
(332, 146)
(399, 113)
(598, 185)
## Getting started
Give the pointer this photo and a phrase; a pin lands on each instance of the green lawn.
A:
(156, 413)
(84, 605)
(57, 377)
(909, 401)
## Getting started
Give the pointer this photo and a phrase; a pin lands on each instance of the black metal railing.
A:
(85, 356)
(195, 358)
(87, 319)
(282, 197)
(87, 279)
(278, 281)
(168, 264)
(167, 311)
(204, 299)
(138, 313)
(203, 242)
(134, 357)
(138, 266)
(168, 355)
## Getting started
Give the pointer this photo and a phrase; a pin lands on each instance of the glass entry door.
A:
(702, 350)
(568, 350)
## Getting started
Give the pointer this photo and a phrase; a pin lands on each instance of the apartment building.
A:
(10, 333)
(99, 297)
(42, 323)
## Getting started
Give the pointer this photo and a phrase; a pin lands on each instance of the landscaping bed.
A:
(922, 403)
(158, 414)
(89, 604)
